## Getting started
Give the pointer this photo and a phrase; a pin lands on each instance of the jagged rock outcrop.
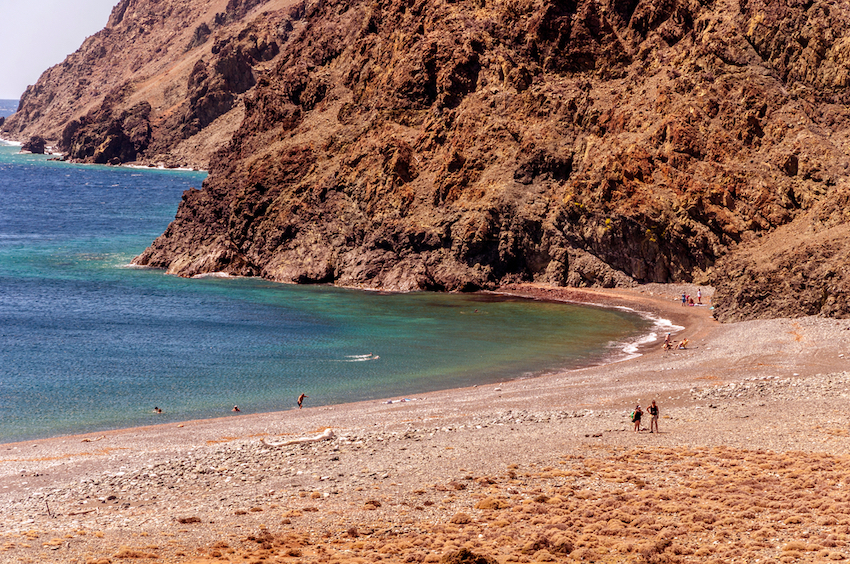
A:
(150, 85)
(36, 145)
(459, 145)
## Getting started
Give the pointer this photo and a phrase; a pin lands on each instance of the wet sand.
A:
(544, 469)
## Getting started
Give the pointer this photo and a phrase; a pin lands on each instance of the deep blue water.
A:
(8, 107)
(88, 343)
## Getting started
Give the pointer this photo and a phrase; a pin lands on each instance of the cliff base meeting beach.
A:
(749, 465)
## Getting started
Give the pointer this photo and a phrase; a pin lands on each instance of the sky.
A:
(34, 36)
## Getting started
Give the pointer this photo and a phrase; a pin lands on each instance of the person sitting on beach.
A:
(653, 421)
(683, 344)
(638, 413)
(236, 408)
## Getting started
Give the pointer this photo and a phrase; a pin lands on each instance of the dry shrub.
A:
(186, 520)
(492, 503)
(795, 545)
(700, 517)
(534, 545)
(126, 552)
(461, 519)
(466, 556)
(586, 554)
(794, 520)
(645, 521)
(543, 556)
(561, 544)
(99, 561)
(829, 541)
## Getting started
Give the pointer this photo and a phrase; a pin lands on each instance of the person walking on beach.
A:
(636, 417)
(301, 399)
(653, 420)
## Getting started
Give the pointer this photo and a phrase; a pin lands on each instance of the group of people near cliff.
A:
(688, 300)
(637, 415)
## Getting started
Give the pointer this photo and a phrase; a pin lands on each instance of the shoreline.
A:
(488, 469)
(605, 299)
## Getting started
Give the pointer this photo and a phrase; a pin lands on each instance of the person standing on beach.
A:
(301, 399)
(699, 295)
(636, 417)
(653, 421)
(684, 299)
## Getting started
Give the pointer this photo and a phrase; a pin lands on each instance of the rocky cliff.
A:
(160, 84)
(455, 145)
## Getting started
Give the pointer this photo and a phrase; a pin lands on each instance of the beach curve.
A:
(726, 397)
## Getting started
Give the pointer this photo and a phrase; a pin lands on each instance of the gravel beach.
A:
(750, 465)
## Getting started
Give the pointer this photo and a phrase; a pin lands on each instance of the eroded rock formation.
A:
(160, 84)
(420, 144)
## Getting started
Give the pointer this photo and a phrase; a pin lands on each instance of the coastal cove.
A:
(91, 344)
(483, 469)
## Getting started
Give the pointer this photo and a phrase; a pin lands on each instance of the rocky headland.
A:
(454, 146)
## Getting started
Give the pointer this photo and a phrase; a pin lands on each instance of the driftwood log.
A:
(327, 434)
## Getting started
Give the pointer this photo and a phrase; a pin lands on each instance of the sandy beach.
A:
(750, 465)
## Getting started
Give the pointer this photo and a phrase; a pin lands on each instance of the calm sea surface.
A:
(88, 343)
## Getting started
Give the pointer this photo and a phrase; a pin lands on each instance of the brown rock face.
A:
(148, 87)
(35, 145)
(462, 145)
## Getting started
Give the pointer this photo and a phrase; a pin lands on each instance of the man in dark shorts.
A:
(653, 421)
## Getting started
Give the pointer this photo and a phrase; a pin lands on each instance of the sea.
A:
(90, 343)
(8, 107)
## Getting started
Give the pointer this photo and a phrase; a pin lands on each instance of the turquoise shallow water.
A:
(88, 343)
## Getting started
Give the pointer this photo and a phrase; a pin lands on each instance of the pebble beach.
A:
(750, 465)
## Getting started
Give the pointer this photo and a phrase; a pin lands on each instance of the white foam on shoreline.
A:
(627, 349)
(162, 167)
(10, 143)
(631, 348)
(214, 275)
